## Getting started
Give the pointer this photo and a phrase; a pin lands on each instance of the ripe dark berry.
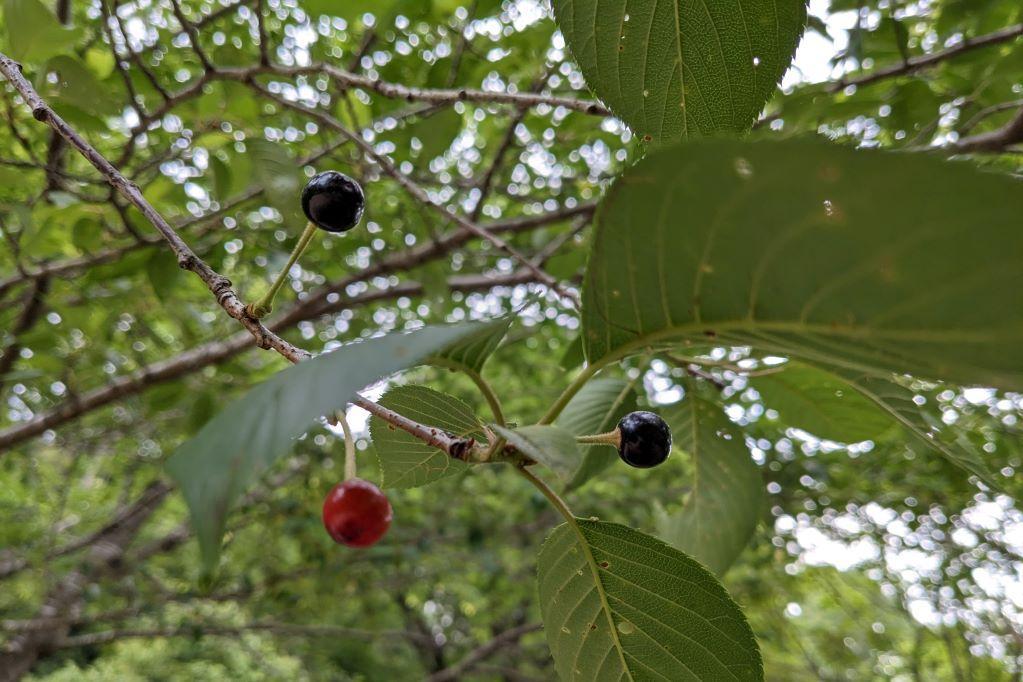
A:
(333, 201)
(356, 513)
(645, 439)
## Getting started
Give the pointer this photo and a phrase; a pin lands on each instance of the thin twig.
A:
(917, 63)
(993, 141)
(484, 651)
(193, 629)
(418, 192)
(219, 285)
(193, 36)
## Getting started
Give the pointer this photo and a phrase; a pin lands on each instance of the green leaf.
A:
(618, 604)
(923, 431)
(436, 132)
(406, 461)
(222, 186)
(472, 351)
(100, 62)
(87, 234)
(850, 406)
(78, 86)
(723, 507)
(876, 262)
(33, 32)
(821, 403)
(597, 408)
(350, 9)
(231, 450)
(674, 69)
(163, 273)
(280, 177)
(551, 446)
(573, 355)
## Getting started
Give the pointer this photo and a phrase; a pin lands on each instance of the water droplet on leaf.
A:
(743, 168)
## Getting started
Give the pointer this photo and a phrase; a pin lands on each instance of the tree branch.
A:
(483, 652)
(30, 314)
(993, 141)
(69, 267)
(64, 599)
(289, 629)
(917, 63)
(219, 285)
(213, 353)
(418, 192)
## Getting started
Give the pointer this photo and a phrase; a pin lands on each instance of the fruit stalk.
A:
(610, 438)
(264, 305)
(349, 447)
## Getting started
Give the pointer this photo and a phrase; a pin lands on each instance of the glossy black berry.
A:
(333, 201)
(645, 439)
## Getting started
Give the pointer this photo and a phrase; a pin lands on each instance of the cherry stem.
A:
(349, 447)
(264, 305)
(610, 438)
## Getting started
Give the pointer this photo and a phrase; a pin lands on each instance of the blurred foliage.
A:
(873, 560)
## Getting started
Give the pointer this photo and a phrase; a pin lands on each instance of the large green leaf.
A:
(875, 262)
(849, 405)
(551, 446)
(436, 132)
(405, 460)
(280, 176)
(673, 69)
(472, 351)
(231, 450)
(722, 509)
(596, 409)
(33, 32)
(923, 430)
(621, 605)
(77, 85)
(821, 403)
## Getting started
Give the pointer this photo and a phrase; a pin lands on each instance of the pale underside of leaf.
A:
(725, 499)
(473, 351)
(621, 605)
(821, 403)
(898, 403)
(861, 260)
(672, 69)
(232, 449)
(405, 460)
(551, 446)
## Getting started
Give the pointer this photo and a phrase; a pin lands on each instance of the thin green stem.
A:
(551, 496)
(569, 392)
(488, 393)
(264, 305)
(350, 470)
(482, 384)
(573, 523)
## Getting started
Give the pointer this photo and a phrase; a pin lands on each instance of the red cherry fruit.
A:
(356, 513)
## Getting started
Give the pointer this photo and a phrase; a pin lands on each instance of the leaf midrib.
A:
(573, 522)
